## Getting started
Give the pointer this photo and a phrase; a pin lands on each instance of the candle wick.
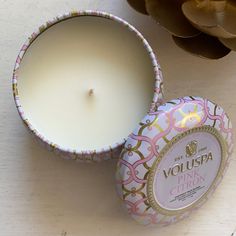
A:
(91, 92)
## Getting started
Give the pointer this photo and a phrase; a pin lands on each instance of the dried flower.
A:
(206, 28)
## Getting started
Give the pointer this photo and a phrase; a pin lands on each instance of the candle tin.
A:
(109, 151)
(174, 160)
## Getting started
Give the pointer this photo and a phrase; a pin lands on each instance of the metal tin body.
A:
(109, 151)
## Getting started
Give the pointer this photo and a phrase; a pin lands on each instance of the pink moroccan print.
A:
(145, 144)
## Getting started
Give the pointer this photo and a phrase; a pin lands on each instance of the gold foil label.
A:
(186, 170)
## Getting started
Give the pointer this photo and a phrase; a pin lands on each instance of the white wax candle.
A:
(86, 82)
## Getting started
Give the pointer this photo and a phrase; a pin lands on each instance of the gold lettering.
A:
(189, 165)
(203, 158)
(210, 157)
(197, 162)
(167, 174)
(176, 169)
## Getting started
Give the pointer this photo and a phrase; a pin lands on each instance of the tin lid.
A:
(174, 160)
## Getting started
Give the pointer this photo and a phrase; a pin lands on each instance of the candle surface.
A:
(86, 82)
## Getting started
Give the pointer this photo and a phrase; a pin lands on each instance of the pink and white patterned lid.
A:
(174, 160)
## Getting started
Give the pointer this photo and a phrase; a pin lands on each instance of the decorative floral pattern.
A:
(105, 153)
(144, 145)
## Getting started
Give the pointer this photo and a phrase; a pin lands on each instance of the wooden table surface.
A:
(43, 195)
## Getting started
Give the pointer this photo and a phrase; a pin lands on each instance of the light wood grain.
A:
(43, 195)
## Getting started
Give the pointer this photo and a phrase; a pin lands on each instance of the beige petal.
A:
(217, 18)
(168, 14)
(230, 43)
(138, 5)
(203, 45)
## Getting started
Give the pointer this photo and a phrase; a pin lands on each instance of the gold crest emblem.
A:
(191, 148)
